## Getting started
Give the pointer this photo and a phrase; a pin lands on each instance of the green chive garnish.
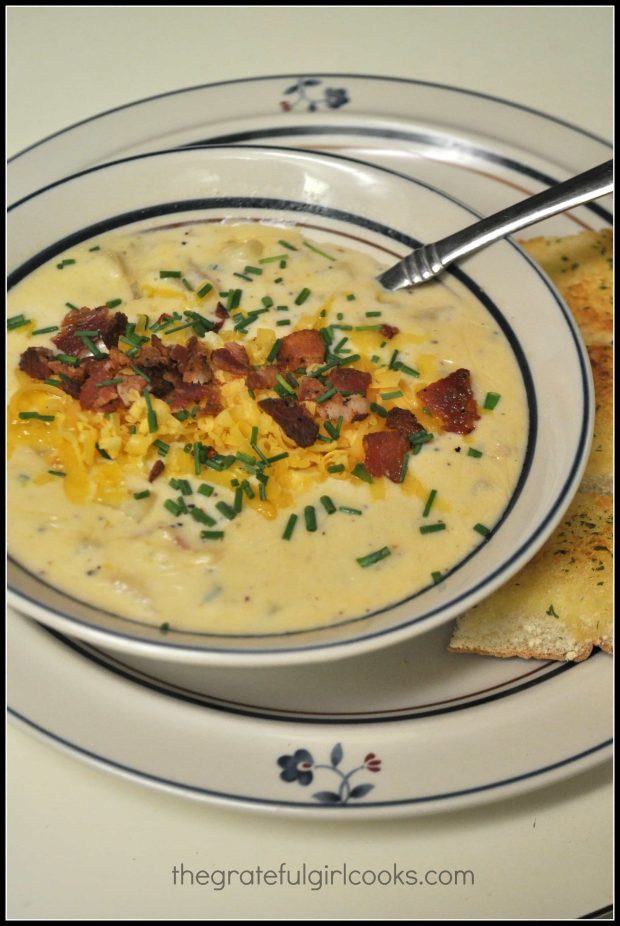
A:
(202, 517)
(233, 299)
(371, 314)
(336, 468)
(429, 503)
(95, 248)
(432, 528)
(290, 527)
(310, 518)
(373, 558)
(282, 322)
(302, 296)
(226, 510)
(179, 485)
(273, 353)
(286, 244)
(491, 400)
(46, 330)
(139, 495)
(103, 453)
(56, 472)
(405, 369)
(328, 504)
(205, 489)
(69, 359)
(170, 274)
(318, 251)
(26, 416)
(255, 270)
(112, 303)
(150, 412)
(202, 292)
(326, 395)
(437, 577)
(362, 473)
(485, 531)
(348, 510)
(70, 305)
(378, 410)
(16, 322)
(392, 395)
(271, 260)
(212, 535)
(109, 382)
(472, 452)
(173, 507)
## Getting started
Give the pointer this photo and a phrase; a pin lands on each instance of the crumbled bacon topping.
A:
(384, 453)
(452, 402)
(301, 349)
(401, 419)
(293, 419)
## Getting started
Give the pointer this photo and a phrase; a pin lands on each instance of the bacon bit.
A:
(389, 331)
(354, 408)
(262, 377)
(193, 360)
(310, 389)
(301, 349)
(99, 398)
(384, 453)
(451, 400)
(346, 379)
(233, 359)
(156, 470)
(154, 354)
(293, 419)
(109, 328)
(401, 419)
(206, 395)
(222, 313)
(35, 362)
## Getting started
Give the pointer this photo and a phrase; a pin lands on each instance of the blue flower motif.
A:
(336, 98)
(297, 767)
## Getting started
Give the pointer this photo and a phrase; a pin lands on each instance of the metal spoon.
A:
(426, 262)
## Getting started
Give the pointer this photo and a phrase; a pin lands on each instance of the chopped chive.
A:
(26, 416)
(282, 322)
(405, 369)
(286, 244)
(170, 274)
(375, 358)
(179, 485)
(202, 292)
(212, 535)
(485, 531)
(286, 386)
(318, 251)
(491, 400)
(290, 527)
(404, 468)
(92, 347)
(302, 296)
(68, 359)
(247, 488)
(362, 473)
(95, 248)
(245, 458)
(373, 558)
(392, 363)
(173, 507)
(437, 577)
(429, 503)
(327, 504)
(179, 328)
(238, 502)
(432, 528)
(310, 518)
(162, 447)
(326, 395)
(367, 327)
(182, 415)
(472, 452)
(254, 435)
(56, 472)
(282, 266)
(202, 517)
(65, 263)
(243, 276)
(16, 321)
(343, 327)
(103, 453)
(186, 283)
(70, 305)
(53, 382)
(139, 495)
(378, 410)
(279, 456)
(256, 270)
(226, 510)
(46, 330)
(233, 299)
(150, 412)
(351, 297)
(273, 353)
(397, 394)
(112, 303)
(336, 468)
(271, 260)
(372, 314)
(109, 382)
(205, 489)
(348, 510)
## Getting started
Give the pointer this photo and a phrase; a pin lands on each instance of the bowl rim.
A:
(363, 641)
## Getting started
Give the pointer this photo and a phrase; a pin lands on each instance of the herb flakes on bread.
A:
(559, 606)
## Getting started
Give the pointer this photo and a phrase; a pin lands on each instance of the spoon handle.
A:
(426, 262)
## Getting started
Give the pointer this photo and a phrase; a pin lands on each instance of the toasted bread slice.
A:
(559, 605)
(581, 268)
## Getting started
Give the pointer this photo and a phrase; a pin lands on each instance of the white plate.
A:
(450, 731)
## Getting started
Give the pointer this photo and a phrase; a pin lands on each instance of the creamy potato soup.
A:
(232, 428)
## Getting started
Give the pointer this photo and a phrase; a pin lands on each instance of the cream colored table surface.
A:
(85, 844)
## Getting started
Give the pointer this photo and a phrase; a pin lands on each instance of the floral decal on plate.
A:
(302, 95)
(301, 767)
